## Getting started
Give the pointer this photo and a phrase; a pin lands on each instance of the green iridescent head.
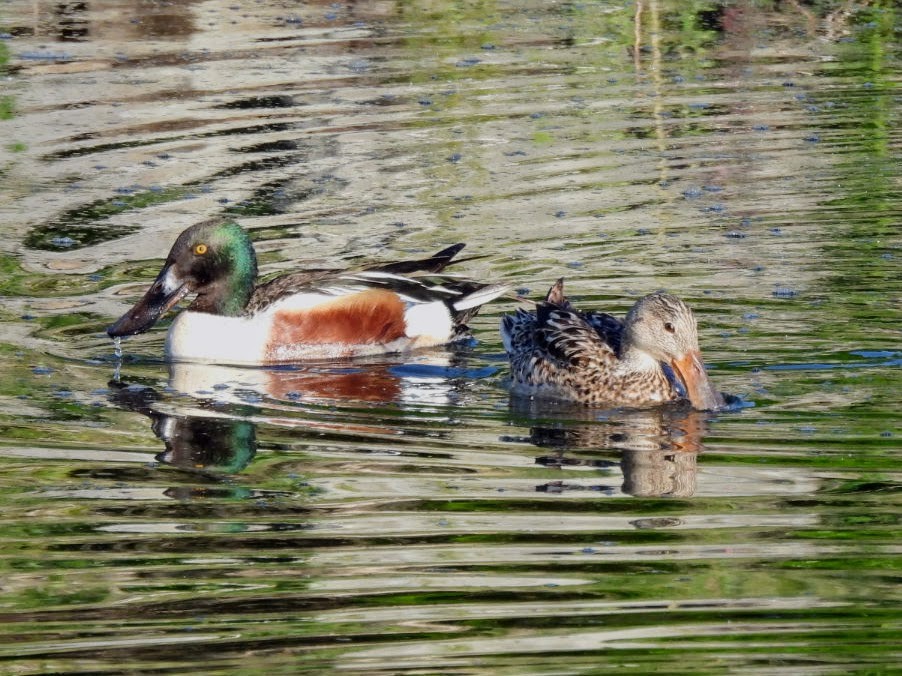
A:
(214, 260)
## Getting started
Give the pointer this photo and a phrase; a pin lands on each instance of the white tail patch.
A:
(429, 320)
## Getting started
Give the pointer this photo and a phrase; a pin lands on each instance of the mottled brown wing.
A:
(608, 328)
(568, 337)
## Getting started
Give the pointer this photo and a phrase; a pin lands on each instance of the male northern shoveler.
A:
(318, 314)
(595, 359)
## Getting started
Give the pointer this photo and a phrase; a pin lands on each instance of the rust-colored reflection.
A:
(326, 384)
(373, 384)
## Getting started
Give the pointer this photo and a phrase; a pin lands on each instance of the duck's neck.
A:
(634, 360)
(229, 293)
(227, 296)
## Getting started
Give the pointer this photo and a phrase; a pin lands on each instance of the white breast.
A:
(198, 336)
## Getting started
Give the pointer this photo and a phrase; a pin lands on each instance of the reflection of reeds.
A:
(837, 23)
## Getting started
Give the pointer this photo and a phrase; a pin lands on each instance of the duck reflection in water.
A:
(207, 443)
(213, 430)
(658, 447)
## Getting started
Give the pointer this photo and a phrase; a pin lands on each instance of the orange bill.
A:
(691, 370)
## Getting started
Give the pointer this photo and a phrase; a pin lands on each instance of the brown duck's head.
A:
(214, 260)
(664, 327)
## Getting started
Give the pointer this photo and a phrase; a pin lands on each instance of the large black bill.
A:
(150, 308)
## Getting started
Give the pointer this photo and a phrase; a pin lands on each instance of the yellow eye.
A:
(200, 249)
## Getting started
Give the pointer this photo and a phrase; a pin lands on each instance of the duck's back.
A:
(556, 352)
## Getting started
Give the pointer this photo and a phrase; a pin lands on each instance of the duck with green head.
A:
(317, 314)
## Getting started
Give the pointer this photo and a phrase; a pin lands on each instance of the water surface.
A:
(404, 514)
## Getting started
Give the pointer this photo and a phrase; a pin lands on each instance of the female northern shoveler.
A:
(319, 314)
(595, 359)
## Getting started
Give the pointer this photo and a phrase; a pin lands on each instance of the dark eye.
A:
(670, 328)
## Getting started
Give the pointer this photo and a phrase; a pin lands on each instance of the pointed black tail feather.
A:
(435, 263)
